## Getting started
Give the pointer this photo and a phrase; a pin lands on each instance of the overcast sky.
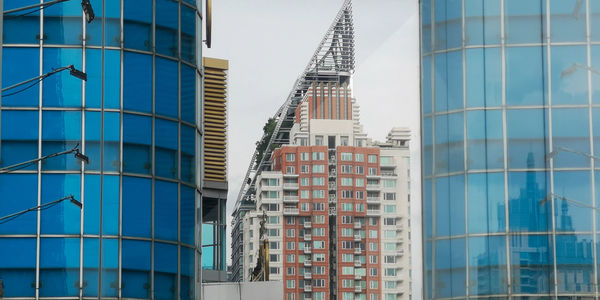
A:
(268, 44)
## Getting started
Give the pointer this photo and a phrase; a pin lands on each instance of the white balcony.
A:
(357, 276)
(332, 186)
(332, 160)
(307, 237)
(308, 288)
(332, 174)
(373, 187)
(307, 224)
(373, 200)
(357, 251)
(307, 250)
(291, 211)
(357, 263)
(290, 199)
(357, 237)
(357, 289)
(307, 263)
(290, 175)
(357, 225)
(290, 186)
(332, 198)
(373, 212)
(307, 275)
(373, 176)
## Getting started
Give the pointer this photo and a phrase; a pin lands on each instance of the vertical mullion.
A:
(39, 164)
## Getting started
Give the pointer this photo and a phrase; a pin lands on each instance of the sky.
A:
(268, 44)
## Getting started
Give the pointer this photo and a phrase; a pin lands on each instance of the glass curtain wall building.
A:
(511, 136)
(137, 118)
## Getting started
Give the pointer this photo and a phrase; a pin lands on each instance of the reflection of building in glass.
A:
(505, 83)
(136, 119)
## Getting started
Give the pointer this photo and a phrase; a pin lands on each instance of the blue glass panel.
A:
(208, 253)
(112, 78)
(91, 213)
(137, 82)
(19, 137)
(523, 21)
(526, 138)
(188, 94)
(573, 194)
(137, 24)
(450, 205)
(19, 192)
(61, 89)
(487, 265)
(484, 77)
(597, 192)
(449, 143)
(569, 77)
(61, 131)
(187, 153)
(166, 27)
(137, 141)
(425, 26)
(527, 209)
(531, 263)
(208, 236)
(427, 208)
(136, 269)
(187, 274)
(570, 131)
(596, 127)
(482, 18)
(448, 81)
(188, 34)
(110, 205)
(165, 210)
(17, 266)
(91, 258)
(427, 146)
(574, 263)
(18, 65)
(567, 21)
(426, 80)
(486, 203)
(485, 146)
(62, 218)
(595, 20)
(136, 206)
(450, 275)
(112, 137)
(93, 125)
(165, 271)
(525, 86)
(166, 90)
(188, 221)
(110, 262)
(112, 24)
(93, 86)
(62, 23)
(166, 149)
(19, 27)
(595, 53)
(428, 270)
(59, 267)
(448, 24)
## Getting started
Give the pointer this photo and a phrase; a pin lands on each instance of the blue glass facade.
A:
(510, 109)
(137, 118)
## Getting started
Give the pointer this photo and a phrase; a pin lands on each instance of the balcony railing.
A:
(373, 186)
(357, 251)
(290, 198)
(332, 186)
(357, 225)
(307, 275)
(357, 263)
(307, 237)
(331, 198)
(307, 224)
(290, 211)
(373, 199)
(357, 237)
(308, 288)
(357, 289)
(290, 186)
(373, 212)
(357, 276)
(307, 250)
(307, 263)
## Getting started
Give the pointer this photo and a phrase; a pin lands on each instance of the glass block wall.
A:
(511, 134)
(138, 119)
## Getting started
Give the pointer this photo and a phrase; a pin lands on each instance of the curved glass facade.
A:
(511, 136)
(137, 118)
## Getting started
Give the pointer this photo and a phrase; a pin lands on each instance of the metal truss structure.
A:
(333, 61)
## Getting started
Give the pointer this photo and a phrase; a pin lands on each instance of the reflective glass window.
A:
(166, 87)
(525, 85)
(18, 65)
(531, 255)
(523, 21)
(166, 27)
(19, 135)
(20, 28)
(19, 192)
(110, 263)
(484, 77)
(574, 263)
(165, 210)
(595, 20)
(450, 205)
(570, 131)
(486, 211)
(62, 218)
(59, 267)
(110, 205)
(482, 21)
(427, 146)
(112, 24)
(187, 153)
(165, 271)
(567, 20)
(61, 130)
(426, 84)
(187, 274)
(136, 259)
(526, 206)
(188, 94)
(93, 125)
(112, 78)
(61, 89)
(191, 2)
(526, 138)
(485, 146)
(427, 208)
(188, 33)
(166, 149)
(569, 76)
(137, 141)
(18, 260)
(595, 53)
(62, 23)
(449, 137)
(450, 268)
(573, 193)
(137, 24)
(596, 127)
(137, 82)
(448, 81)
(487, 265)
(91, 259)
(425, 26)
(136, 206)
(448, 24)
(91, 213)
